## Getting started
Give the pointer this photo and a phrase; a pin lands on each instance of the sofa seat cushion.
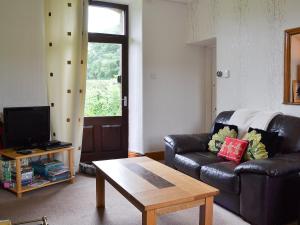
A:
(221, 175)
(190, 163)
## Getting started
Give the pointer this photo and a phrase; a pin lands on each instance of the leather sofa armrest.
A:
(273, 167)
(188, 142)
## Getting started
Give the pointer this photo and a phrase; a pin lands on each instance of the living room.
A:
(183, 63)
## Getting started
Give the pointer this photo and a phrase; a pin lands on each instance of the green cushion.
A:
(218, 139)
(256, 149)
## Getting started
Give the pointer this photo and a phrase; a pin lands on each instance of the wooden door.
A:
(105, 133)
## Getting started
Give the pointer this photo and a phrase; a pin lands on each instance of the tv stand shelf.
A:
(12, 154)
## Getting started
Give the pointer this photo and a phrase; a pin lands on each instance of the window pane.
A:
(103, 86)
(105, 20)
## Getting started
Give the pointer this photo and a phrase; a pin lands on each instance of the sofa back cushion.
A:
(288, 128)
(223, 117)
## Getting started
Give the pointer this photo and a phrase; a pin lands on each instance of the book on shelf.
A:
(47, 162)
(24, 169)
(24, 162)
(5, 172)
(8, 172)
(24, 183)
(24, 175)
(62, 176)
(43, 166)
(58, 173)
(33, 174)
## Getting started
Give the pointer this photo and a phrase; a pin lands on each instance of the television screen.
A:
(26, 126)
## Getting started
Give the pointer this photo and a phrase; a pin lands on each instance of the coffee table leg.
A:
(100, 190)
(206, 212)
(149, 217)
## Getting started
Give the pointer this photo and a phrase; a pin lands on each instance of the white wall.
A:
(135, 76)
(173, 86)
(22, 77)
(201, 19)
(250, 40)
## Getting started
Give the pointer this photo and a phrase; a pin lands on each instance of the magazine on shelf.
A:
(58, 171)
(38, 182)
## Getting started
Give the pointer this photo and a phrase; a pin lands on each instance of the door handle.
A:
(125, 101)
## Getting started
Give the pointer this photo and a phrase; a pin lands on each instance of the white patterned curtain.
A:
(66, 56)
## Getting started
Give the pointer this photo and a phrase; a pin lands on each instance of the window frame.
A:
(111, 38)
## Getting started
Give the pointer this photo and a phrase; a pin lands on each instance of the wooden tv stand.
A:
(11, 153)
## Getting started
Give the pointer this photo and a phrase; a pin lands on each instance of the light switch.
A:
(226, 74)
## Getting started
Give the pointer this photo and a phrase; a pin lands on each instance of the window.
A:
(106, 20)
(107, 63)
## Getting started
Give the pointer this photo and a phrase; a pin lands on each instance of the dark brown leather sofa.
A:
(262, 192)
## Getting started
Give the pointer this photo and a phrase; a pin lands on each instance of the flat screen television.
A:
(26, 126)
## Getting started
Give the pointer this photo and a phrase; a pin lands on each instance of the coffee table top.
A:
(149, 184)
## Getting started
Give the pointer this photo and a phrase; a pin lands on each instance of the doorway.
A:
(105, 132)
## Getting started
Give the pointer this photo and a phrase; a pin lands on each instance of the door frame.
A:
(210, 83)
(116, 39)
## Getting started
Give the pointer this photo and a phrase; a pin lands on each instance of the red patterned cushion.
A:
(233, 149)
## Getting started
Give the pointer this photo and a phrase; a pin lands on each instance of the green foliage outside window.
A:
(103, 61)
(103, 92)
(102, 98)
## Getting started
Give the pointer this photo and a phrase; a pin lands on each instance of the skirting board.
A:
(159, 155)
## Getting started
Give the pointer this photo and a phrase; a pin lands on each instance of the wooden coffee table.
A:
(154, 188)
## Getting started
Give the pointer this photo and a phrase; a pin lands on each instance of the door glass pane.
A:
(105, 20)
(103, 85)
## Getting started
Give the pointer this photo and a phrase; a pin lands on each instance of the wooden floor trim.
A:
(132, 154)
(159, 155)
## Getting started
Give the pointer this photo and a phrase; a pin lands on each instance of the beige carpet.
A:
(74, 204)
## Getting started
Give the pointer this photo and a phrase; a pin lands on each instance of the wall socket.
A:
(219, 73)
